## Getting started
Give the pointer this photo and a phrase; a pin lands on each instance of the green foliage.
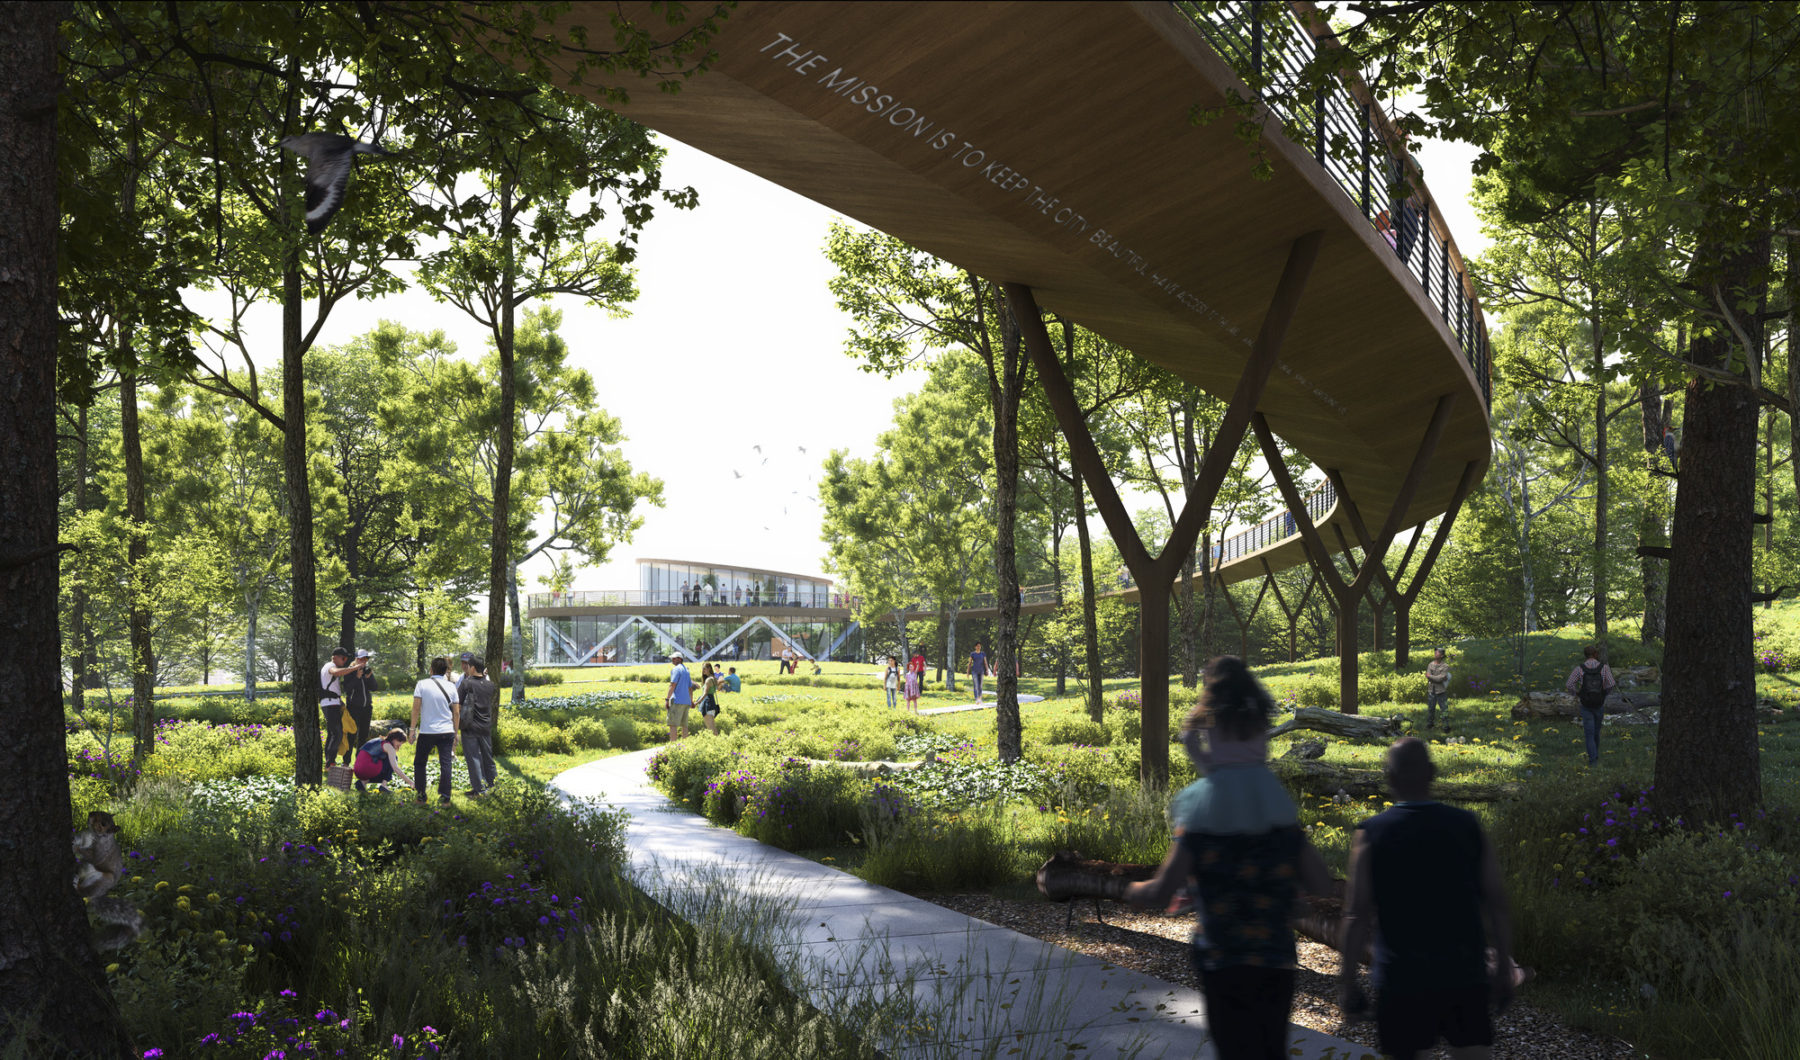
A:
(946, 852)
(1075, 730)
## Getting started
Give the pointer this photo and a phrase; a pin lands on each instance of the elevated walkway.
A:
(1050, 148)
(970, 988)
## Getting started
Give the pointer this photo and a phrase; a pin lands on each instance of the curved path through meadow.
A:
(969, 988)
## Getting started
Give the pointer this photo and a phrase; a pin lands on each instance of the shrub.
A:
(622, 733)
(590, 733)
(1128, 824)
(1076, 730)
(804, 806)
(683, 769)
(941, 852)
(1319, 691)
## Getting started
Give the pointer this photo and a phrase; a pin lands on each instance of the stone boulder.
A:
(1561, 704)
(1306, 749)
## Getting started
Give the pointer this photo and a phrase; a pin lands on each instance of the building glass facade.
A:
(722, 612)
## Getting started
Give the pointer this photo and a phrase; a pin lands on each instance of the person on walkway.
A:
(1237, 832)
(479, 701)
(359, 700)
(978, 669)
(710, 683)
(339, 725)
(1429, 878)
(378, 761)
(890, 679)
(1437, 689)
(1590, 681)
(434, 728)
(680, 697)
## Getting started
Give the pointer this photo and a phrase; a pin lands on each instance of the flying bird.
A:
(735, 473)
(758, 448)
(330, 158)
(802, 448)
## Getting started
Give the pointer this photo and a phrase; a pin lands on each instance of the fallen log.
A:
(872, 769)
(1348, 726)
(1323, 778)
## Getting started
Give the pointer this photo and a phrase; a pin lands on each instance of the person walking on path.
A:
(435, 726)
(479, 700)
(978, 669)
(711, 683)
(680, 697)
(890, 679)
(1237, 833)
(378, 761)
(1590, 681)
(1437, 690)
(1430, 880)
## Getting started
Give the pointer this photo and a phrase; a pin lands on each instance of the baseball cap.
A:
(467, 656)
(364, 653)
(676, 655)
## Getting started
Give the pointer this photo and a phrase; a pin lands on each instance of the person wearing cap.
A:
(680, 697)
(359, 700)
(338, 742)
(478, 698)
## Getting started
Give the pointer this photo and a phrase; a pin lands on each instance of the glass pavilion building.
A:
(706, 610)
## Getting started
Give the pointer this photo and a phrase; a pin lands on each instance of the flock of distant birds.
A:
(330, 161)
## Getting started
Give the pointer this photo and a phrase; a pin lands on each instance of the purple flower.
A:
(152, 1054)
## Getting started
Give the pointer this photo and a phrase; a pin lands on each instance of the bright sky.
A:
(735, 342)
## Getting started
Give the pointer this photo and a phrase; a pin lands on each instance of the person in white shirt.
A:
(340, 730)
(435, 727)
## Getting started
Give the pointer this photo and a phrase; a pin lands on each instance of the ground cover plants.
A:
(1656, 931)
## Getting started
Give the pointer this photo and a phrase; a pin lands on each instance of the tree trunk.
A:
(143, 661)
(419, 644)
(1707, 762)
(296, 458)
(1402, 633)
(48, 972)
(1349, 614)
(1153, 680)
(1090, 622)
(1004, 385)
(347, 600)
(1190, 620)
(1056, 570)
(949, 664)
(1602, 481)
(78, 597)
(500, 537)
(518, 636)
(252, 605)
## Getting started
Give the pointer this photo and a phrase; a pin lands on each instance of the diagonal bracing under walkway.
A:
(973, 989)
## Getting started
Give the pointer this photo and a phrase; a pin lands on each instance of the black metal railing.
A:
(1269, 42)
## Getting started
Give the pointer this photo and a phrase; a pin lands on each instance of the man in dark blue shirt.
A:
(1429, 879)
(978, 668)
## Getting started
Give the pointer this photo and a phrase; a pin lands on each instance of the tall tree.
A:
(1664, 112)
(515, 239)
(51, 987)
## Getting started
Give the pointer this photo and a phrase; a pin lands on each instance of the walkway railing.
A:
(705, 597)
(1268, 42)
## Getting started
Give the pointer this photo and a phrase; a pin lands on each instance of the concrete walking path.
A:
(974, 989)
(986, 704)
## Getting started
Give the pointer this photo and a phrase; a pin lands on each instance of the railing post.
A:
(1424, 244)
(1319, 129)
(1365, 164)
(1256, 45)
(1444, 277)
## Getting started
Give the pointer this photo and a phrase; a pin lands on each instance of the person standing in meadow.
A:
(1437, 689)
(434, 727)
(1589, 682)
(479, 700)
(680, 696)
(890, 678)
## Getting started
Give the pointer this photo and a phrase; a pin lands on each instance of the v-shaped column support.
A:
(1155, 574)
(1347, 594)
(1403, 598)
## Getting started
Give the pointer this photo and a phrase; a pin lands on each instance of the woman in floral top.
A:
(1237, 835)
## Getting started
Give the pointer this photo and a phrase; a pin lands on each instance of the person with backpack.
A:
(478, 701)
(1590, 681)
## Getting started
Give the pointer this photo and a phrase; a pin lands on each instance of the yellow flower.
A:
(112, 969)
(162, 885)
(184, 888)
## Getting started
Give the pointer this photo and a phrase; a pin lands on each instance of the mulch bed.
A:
(1156, 944)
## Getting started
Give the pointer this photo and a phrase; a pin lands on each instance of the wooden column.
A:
(1346, 594)
(1155, 574)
